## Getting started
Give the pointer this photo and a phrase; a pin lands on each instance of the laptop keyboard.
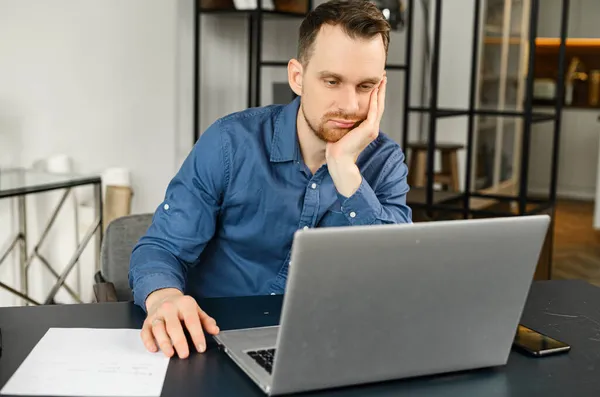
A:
(264, 358)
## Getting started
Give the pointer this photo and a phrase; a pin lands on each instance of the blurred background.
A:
(496, 104)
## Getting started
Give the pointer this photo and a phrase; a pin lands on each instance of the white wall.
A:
(578, 155)
(109, 83)
(95, 80)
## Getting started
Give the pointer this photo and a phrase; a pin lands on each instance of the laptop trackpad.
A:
(249, 339)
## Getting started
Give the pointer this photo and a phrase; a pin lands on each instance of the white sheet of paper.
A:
(89, 362)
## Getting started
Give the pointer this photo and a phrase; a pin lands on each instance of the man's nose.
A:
(348, 101)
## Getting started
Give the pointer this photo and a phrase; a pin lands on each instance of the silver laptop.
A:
(374, 303)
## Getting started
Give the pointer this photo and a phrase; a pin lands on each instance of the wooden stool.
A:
(417, 169)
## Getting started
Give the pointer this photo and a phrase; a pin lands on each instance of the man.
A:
(227, 222)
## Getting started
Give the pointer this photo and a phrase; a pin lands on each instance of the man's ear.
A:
(295, 72)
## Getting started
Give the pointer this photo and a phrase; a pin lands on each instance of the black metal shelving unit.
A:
(255, 18)
(460, 202)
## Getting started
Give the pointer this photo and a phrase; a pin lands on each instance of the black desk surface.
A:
(567, 310)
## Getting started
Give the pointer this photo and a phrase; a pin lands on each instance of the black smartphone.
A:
(538, 344)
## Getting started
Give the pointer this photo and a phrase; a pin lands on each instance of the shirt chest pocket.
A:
(334, 216)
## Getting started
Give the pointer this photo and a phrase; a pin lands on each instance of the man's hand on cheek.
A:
(341, 156)
(351, 145)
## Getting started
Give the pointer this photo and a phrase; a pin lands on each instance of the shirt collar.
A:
(284, 145)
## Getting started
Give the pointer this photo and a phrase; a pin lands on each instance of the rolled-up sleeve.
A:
(386, 204)
(184, 222)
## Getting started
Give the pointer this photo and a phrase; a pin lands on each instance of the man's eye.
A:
(331, 82)
(366, 87)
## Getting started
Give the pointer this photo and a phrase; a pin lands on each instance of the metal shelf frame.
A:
(529, 117)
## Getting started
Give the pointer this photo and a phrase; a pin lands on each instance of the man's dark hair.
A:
(358, 18)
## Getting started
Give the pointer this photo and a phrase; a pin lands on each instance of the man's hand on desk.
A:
(167, 309)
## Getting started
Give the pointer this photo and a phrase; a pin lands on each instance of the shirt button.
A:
(272, 293)
(352, 214)
(314, 185)
(166, 206)
(305, 228)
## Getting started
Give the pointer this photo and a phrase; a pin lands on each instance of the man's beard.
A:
(331, 135)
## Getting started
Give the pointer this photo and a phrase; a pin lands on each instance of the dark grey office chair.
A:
(111, 282)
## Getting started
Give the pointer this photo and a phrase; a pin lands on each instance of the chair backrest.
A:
(119, 239)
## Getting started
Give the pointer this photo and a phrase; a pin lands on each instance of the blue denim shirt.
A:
(226, 224)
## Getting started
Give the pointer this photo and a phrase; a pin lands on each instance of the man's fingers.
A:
(163, 340)
(372, 115)
(381, 98)
(147, 337)
(191, 320)
(166, 329)
(209, 323)
(175, 331)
